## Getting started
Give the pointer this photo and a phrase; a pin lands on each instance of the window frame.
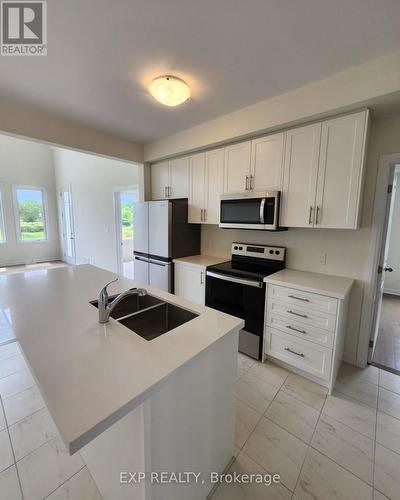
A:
(2, 220)
(15, 188)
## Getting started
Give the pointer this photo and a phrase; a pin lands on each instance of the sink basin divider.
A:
(140, 311)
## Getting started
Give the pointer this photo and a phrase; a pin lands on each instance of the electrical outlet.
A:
(322, 259)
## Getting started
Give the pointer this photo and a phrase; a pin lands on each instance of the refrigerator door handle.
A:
(158, 263)
(142, 259)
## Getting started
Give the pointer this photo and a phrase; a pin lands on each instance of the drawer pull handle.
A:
(297, 314)
(298, 298)
(294, 352)
(296, 329)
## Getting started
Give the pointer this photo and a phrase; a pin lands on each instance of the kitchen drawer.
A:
(301, 330)
(302, 354)
(302, 314)
(310, 300)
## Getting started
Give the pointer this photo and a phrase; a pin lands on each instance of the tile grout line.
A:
(12, 449)
(309, 445)
(66, 481)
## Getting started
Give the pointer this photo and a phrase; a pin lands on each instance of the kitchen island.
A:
(127, 404)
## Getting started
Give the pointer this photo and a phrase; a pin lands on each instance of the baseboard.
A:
(389, 291)
(349, 358)
(28, 262)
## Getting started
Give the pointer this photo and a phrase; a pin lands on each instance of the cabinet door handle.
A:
(298, 298)
(165, 191)
(202, 278)
(251, 181)
(201, 215)
(169, 191)
(204, 214)
(246, 184)
(317, 216)
(310, 215)
(296, 329)
(297, 314)
(294, 352)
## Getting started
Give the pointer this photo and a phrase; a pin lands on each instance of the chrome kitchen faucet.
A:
(106, 308)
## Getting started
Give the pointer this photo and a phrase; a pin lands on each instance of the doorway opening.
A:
(385, 349)
(67, 220)
(124, 212)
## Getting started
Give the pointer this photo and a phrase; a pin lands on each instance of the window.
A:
(2, 230)
(30, 214)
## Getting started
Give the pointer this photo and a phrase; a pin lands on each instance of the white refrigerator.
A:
(161, 234)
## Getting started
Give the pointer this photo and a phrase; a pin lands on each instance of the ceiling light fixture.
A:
(169, 90)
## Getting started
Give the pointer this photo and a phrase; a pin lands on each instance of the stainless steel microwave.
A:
(251, 210)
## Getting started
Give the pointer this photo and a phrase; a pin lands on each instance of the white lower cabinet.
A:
(190, 282)
(305, 331)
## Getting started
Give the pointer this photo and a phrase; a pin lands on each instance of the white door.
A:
(159, 219)
(141, 269)
(160, 180)
(383, 263)
(214, 184)
(340, 169)
(124, 216)
(300, 176)
(179, 178)
(237, 167)
(68, 232)
(197, 184)
(160, 275)
(267, 162)
(190, 283)
(141, 233)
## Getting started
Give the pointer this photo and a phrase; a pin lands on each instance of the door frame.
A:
(134, 189)
(67, 187)
(377, 241)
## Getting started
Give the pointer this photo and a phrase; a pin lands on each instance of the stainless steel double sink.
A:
(149, 316)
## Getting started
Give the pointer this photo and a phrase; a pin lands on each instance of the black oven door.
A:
(243, 298)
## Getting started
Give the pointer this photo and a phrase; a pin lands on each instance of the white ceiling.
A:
(101, 54)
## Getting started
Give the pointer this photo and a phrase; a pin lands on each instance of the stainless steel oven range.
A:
(237, 287)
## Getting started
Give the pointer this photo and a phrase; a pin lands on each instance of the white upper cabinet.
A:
(206, 181)
(237, 167)
(197, 187)
(300, 176)
(159, 180)
(179, 178)
(340, 171)
(215, 184)
(267, 162)
(170, 179)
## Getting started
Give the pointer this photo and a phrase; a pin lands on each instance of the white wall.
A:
(392, 280)
(26, 121)
(93, 180)
(27, 163)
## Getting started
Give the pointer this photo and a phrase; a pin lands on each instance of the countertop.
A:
(89, 374)
(201, 260)
(324, 284)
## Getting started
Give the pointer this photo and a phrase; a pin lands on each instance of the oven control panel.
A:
(259, 251)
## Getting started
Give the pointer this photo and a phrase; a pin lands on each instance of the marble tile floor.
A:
(34, 464)
(340, 447)
(344, 446)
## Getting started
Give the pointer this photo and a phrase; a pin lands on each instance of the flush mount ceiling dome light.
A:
(169, 90)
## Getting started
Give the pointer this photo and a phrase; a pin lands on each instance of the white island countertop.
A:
(89, 374)
(201, 260)
(324, 284)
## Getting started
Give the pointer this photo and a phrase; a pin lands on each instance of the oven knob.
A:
(277, 252)
(235, 248)
(271, 252)
(240, 248)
